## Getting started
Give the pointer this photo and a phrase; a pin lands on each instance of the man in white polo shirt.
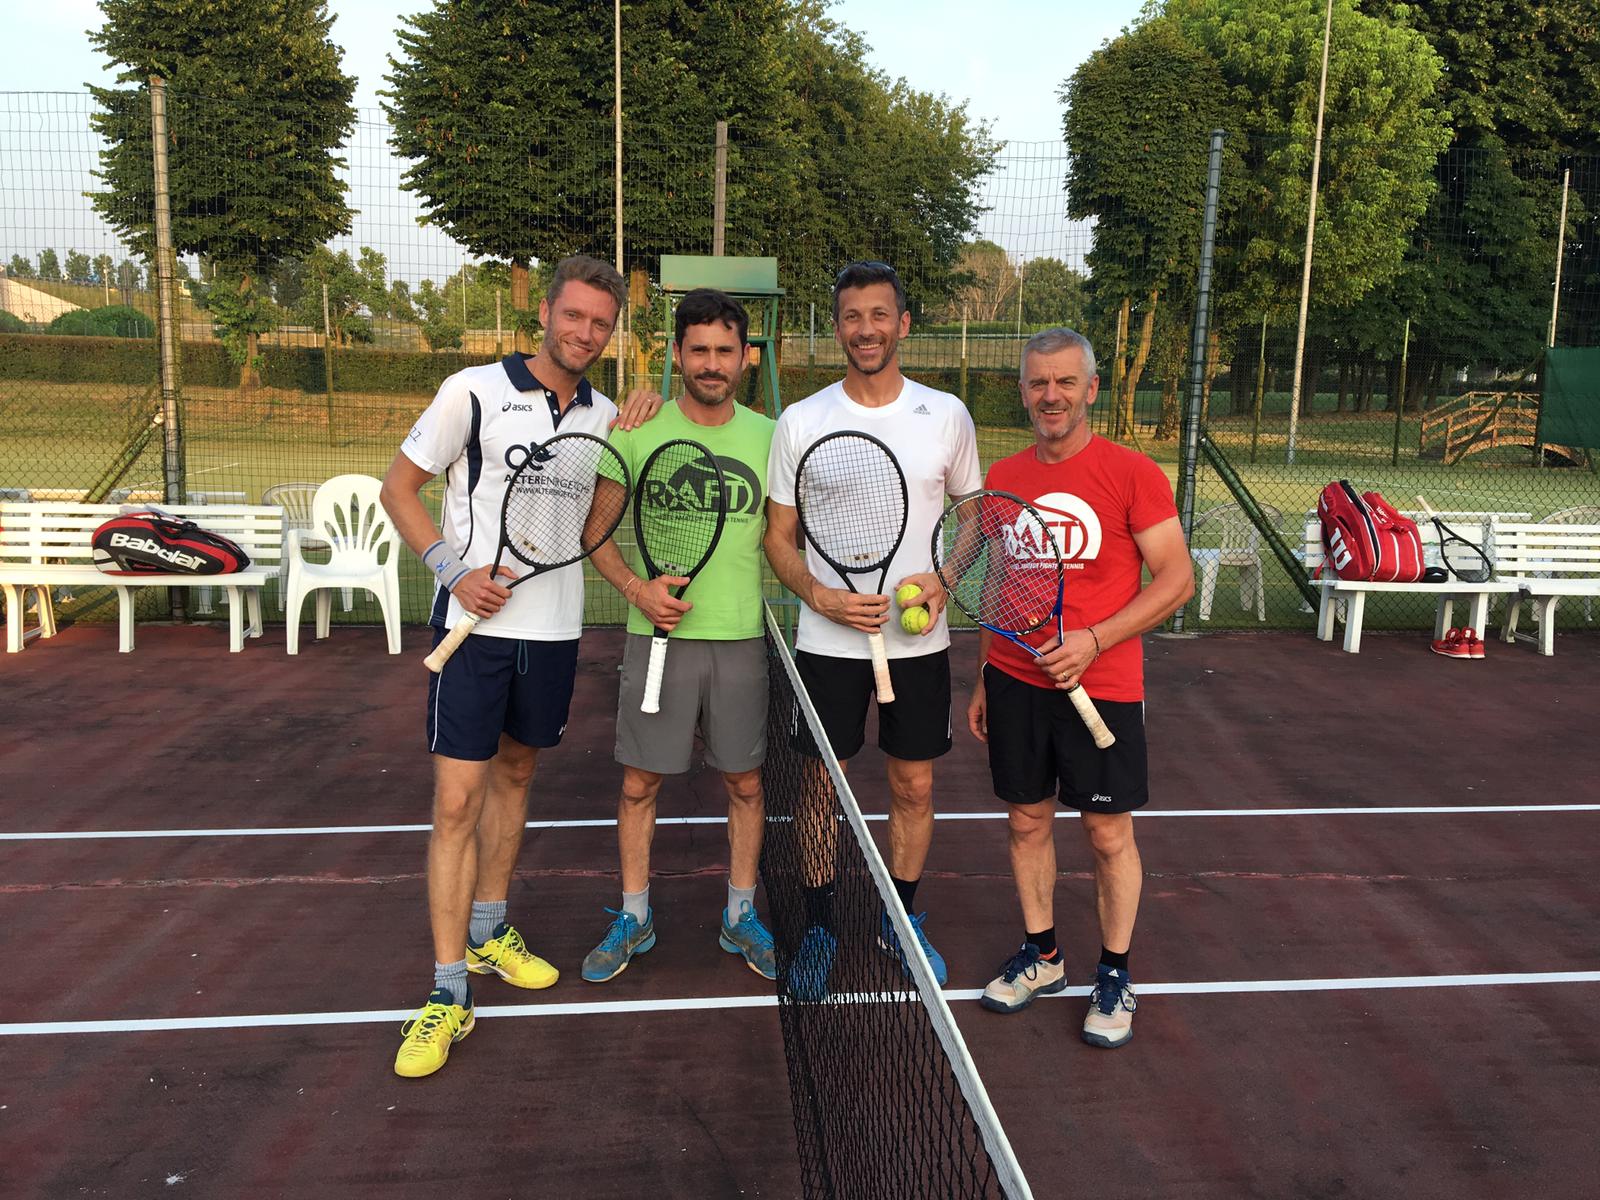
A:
(932, 436)
(504, 694)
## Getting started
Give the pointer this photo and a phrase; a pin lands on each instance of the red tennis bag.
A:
(150, 543)
(1363, 536)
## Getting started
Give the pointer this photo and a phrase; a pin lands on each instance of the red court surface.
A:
(1367, 953)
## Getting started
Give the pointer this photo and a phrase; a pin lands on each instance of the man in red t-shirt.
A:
(1112, 512)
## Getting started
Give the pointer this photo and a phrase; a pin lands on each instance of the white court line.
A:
(610, 822)
(711, 1003)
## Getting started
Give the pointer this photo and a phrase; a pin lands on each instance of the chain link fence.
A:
(1425, 380)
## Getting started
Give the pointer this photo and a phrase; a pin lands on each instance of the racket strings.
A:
(852, 502)
(565, 502)
(678, 513)
(1464, 560)
(999, 561)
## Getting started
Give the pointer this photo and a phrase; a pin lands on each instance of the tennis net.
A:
(887, 1102)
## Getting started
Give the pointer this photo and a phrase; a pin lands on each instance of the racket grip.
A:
(653, 674)
(1103, 737)
(458, 633)
(880, 668)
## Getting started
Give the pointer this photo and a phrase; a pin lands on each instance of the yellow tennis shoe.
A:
(428, 1036)
(506, 955)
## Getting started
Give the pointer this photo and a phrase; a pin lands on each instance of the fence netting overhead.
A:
(1423, 369)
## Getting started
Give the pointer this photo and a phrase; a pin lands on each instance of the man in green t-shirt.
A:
(716, 669)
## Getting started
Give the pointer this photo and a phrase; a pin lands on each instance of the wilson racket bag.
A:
(148, 543)
(1364, 537)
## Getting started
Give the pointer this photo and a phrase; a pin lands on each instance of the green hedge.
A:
(117, 320)
(11, 323)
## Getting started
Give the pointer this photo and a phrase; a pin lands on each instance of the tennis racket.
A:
(562, 502)
(1463, 559)
(850, 495)
(679, 509)
(999, 560)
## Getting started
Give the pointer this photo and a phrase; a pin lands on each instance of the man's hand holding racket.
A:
(1067, 659)
(660, 607)
(479, 594)
(864, 612)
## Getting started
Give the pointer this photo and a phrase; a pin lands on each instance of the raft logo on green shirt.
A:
(693, 489)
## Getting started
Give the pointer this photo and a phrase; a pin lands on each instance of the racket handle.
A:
(458, 633)
(653, 674)
(880, 668)
(1103, 737)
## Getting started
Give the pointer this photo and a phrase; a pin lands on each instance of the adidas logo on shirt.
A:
(923, 409)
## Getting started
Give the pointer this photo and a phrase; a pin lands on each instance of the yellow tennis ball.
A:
(903, 595)
(915, 619)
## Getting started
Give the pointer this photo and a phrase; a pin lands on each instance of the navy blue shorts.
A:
(494, 685)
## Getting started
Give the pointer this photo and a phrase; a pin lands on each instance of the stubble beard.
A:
(691, 386)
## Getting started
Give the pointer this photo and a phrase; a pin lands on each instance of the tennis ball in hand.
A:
(903, 594)
(915, 619)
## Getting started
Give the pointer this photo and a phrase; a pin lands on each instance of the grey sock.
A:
(737, 899)
(638, 904)
(452, 977)
(486, 918)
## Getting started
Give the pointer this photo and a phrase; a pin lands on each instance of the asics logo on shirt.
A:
(513, 406)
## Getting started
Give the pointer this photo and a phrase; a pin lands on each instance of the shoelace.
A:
(1021, 962)
(512, 945)
(1110, 992)
(617, 936)
(759, 933)
(426, 1023)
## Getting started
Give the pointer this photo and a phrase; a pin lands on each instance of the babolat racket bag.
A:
(1365, 538)
(147, 543)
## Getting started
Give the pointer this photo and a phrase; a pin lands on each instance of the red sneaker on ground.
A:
(1453, 645)
(1473, 643)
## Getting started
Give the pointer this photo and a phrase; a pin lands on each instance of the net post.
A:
(167, 310)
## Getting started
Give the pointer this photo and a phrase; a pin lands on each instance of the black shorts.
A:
(1039, 747)
(495, 685)
(915, 727)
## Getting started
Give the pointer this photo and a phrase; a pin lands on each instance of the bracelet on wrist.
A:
(1096, 638)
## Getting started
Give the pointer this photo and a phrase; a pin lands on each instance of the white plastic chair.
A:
(1240, 546)
(295, 500)
(365, 553)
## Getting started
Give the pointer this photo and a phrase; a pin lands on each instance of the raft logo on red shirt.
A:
(1076, 528)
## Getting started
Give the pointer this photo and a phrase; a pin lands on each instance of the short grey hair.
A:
(1049, 341)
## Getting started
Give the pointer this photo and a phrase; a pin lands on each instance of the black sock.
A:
(906, 889)
(1046, 942)
(1110, 959)
(819, 905)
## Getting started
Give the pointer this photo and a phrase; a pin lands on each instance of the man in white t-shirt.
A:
(932, 436)
(504, 694)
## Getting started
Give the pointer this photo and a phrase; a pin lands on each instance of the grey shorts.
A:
(716, 688)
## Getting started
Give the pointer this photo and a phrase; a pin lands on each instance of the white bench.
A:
(1546, 562)
(44, 544)
(1351, 594)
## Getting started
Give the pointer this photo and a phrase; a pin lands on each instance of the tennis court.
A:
(1366, 952)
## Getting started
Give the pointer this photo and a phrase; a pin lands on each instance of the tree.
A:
(441, 327)
(257, 106)
(348, 292)
(990, 290)
(127, 279)
(101, 269)
(1138, 119)
(1523, 85)
(503, 108)
(20, 268)
(79, 269)
(1053, 293)
(49, 266)
(1382, 132)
